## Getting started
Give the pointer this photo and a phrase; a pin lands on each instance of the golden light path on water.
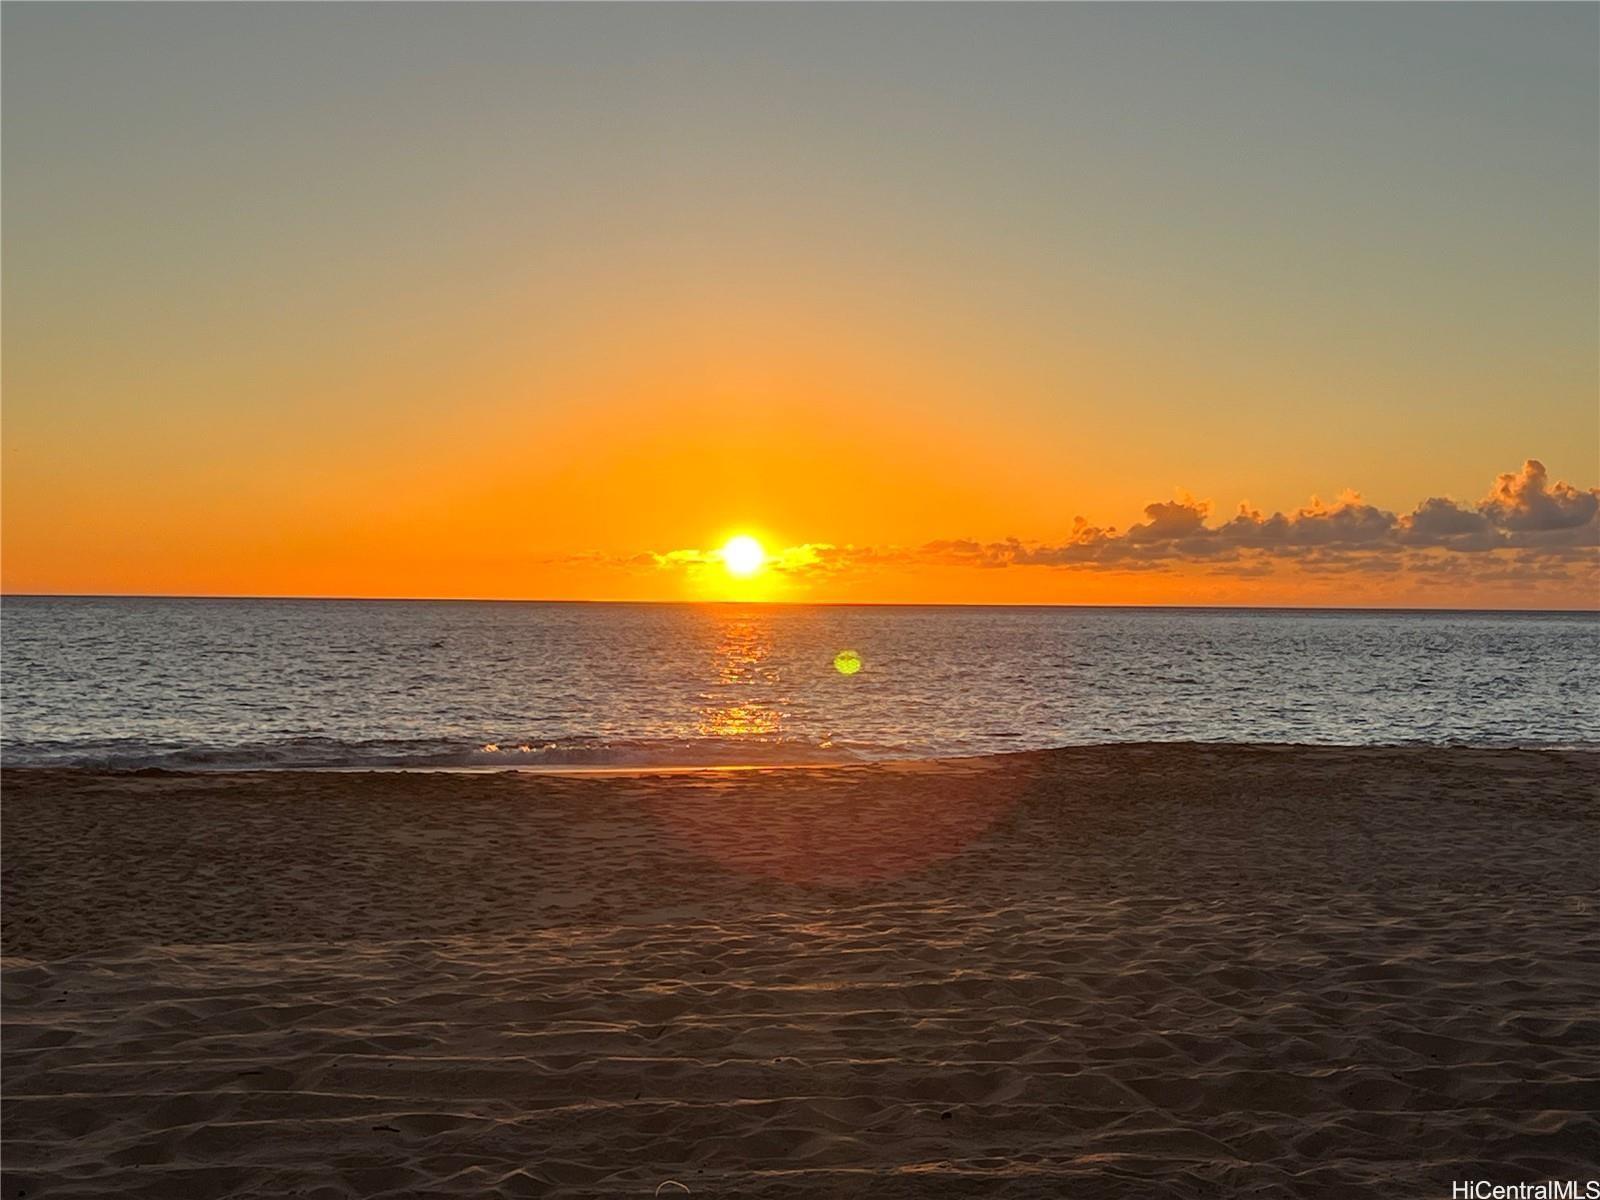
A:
(746, 701)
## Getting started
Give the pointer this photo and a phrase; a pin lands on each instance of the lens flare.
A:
(743, 556)
(847, 662)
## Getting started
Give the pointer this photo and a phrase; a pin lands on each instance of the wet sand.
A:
(1119, 971)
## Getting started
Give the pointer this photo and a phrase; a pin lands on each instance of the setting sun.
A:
(743, 556)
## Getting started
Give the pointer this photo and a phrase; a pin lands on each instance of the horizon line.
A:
(348, 599)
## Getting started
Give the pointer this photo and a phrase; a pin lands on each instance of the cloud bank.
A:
(1525, 528)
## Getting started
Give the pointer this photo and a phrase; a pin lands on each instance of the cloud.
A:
(1523, 511)
(1349, 522)
(1170, 522)
(1524, 528)
(1525, 502)
(1444, 523)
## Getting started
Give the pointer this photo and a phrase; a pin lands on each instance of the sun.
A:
(743, 556)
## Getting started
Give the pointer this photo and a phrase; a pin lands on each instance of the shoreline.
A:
(625, 769)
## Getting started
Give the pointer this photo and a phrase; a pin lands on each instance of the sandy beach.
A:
(1118, 971)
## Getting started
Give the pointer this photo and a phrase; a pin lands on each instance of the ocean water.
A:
(246, 683)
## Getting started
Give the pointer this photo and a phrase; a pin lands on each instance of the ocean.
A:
(199, 683)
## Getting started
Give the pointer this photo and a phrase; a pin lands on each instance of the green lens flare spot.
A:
(847, 662)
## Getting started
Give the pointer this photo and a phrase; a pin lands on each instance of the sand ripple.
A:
(1129, 972)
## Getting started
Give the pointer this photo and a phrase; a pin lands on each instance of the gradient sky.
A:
(539, 301)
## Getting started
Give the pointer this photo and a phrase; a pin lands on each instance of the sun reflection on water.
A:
(746, 700)
(739, 720)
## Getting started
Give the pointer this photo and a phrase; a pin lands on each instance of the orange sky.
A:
(285, 318)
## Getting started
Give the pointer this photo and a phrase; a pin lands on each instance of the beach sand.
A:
(1115, 971)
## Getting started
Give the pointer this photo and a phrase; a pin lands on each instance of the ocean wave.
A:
(592, 753)
(446, 754)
